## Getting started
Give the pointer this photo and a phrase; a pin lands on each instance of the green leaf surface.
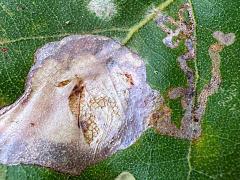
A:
(26, 25)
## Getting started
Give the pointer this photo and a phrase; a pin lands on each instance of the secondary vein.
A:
(143, 22)
(9, 41)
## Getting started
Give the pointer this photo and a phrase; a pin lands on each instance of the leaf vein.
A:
(135, 28)
(9, 41)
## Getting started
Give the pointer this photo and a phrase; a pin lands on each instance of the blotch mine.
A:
(86, 97)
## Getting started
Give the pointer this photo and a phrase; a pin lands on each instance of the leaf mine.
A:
(212, 87)
(183, 31)
(194, 111)
(86, 97)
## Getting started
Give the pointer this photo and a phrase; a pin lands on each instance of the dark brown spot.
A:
(63, 83)
(76, 99)
(129, 79)
(84, 125)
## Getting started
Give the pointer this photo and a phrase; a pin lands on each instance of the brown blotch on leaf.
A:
(82, 105)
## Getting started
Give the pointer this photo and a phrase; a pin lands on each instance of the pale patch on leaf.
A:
(86, 97)
(125, 176)
(104, 9)
(224, 39)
